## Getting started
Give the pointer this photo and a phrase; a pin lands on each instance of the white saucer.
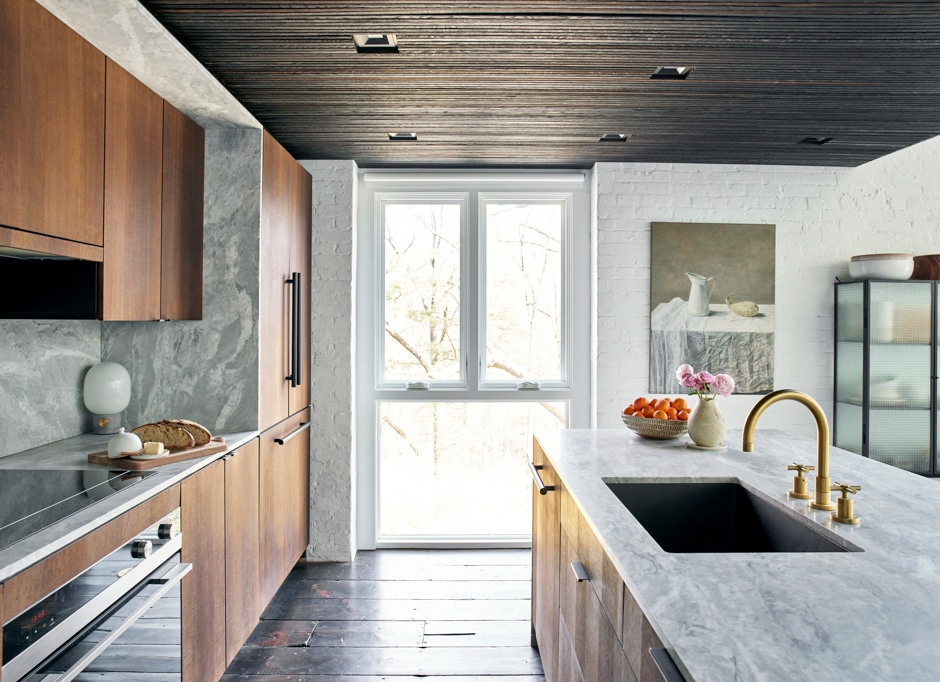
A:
(695, 446)
(143, 458)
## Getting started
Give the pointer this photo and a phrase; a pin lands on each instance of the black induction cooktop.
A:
(33, 499)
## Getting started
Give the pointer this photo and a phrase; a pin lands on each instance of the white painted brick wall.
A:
(823, 216)
(332, 491)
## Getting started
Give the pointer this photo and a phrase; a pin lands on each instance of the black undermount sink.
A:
(721, 517)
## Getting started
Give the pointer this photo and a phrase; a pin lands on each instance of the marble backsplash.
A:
(42, 367)
(207, 370)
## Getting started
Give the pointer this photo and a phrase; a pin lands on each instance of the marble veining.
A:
(207, 370)
(43, 365)
(72, 453)
(867, 615)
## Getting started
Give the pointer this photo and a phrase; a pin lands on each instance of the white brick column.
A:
(332, 467)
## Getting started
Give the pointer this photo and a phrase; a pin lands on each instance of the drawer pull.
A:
(667, 667)
(534, 470)
(302, 427)
(579, 572)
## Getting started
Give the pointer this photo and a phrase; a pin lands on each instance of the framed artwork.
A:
(712, 303)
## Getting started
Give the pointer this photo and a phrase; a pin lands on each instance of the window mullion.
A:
(470, 288)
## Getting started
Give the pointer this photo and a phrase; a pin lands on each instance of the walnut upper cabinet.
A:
(96, 166)
(184, 143)
(284, 305)
(130, 276)
(53, 114)
(153, 213)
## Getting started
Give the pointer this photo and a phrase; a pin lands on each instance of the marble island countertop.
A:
(72, 453)
(869, 615)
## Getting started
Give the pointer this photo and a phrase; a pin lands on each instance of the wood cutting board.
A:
(212, 447)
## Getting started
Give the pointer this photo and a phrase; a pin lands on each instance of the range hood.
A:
(43, 288)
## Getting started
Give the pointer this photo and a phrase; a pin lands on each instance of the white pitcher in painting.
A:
(700, 293)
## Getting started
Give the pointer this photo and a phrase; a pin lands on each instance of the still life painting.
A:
(712, 303)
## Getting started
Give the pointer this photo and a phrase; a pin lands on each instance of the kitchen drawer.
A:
(597, 652)
(638, 638)
(604, 577)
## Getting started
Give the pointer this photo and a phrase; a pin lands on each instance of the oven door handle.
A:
(166, 582)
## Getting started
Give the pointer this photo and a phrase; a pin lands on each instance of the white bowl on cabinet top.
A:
(882, 266)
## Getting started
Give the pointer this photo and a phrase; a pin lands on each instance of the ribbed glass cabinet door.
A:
(884, 372)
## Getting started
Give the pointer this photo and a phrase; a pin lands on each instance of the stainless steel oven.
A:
(58, 637)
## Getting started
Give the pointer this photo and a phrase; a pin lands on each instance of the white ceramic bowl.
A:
(882, 266)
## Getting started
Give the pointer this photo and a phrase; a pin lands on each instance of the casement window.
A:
(473, 333)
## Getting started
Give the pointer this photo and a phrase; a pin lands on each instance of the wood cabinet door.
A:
(546, 533)
(242, 546)
(202, 503)
(284, 500)
(133, 199)
(184, 154)
(300, 252)
(274, 304)
(52, 112)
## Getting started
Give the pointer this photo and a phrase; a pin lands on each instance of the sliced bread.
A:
(200, 432)
(172, 436)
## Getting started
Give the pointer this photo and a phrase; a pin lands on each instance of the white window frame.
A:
(474, 190)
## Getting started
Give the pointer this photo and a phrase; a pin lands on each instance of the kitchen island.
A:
(860, 615)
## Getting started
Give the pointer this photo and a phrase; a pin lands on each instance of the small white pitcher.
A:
(700, 294)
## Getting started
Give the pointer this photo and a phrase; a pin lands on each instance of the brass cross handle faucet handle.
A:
(844, 512)
(799, 483)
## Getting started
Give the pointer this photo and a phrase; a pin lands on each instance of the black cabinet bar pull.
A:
(295, 318)
(534, 470)
(302, 427)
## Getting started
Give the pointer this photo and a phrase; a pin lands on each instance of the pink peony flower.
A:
(704, 384)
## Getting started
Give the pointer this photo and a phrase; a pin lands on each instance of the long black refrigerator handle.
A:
(295, 319)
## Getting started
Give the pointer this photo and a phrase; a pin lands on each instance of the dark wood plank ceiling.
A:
(538, 83)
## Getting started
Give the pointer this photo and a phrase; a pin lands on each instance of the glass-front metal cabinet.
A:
(886, 360)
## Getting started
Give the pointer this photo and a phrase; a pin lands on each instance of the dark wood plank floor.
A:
(451, 615)
(394, 615)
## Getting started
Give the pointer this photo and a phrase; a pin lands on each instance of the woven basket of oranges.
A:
(658, 418)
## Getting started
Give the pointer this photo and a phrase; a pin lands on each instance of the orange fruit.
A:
(648, 411)
(639, 414)
(660, 414)
(672, 412)
(680, 404)
(683, 415)
(629, 409)
(640, 403)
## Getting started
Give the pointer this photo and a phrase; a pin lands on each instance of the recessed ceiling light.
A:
(815, 140)
(672, 72)
(403, 137)
(615, 137)
(375, 42)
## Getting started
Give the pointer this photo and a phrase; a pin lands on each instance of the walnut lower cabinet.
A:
(220, 538)
(600, 633)
(284, 499)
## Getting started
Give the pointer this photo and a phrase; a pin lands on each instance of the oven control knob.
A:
(167, 531)
(140, 549)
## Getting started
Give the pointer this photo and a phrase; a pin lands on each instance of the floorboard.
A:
(388, 616)
(397, 615)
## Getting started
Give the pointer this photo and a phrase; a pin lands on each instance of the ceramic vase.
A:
(707, 424)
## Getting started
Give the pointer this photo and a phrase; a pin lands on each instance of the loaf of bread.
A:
(173, 436)
(200, 432)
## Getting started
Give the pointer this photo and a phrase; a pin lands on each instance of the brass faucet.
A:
(822, 499)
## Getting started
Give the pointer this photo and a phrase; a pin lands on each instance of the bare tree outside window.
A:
(451, 467)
